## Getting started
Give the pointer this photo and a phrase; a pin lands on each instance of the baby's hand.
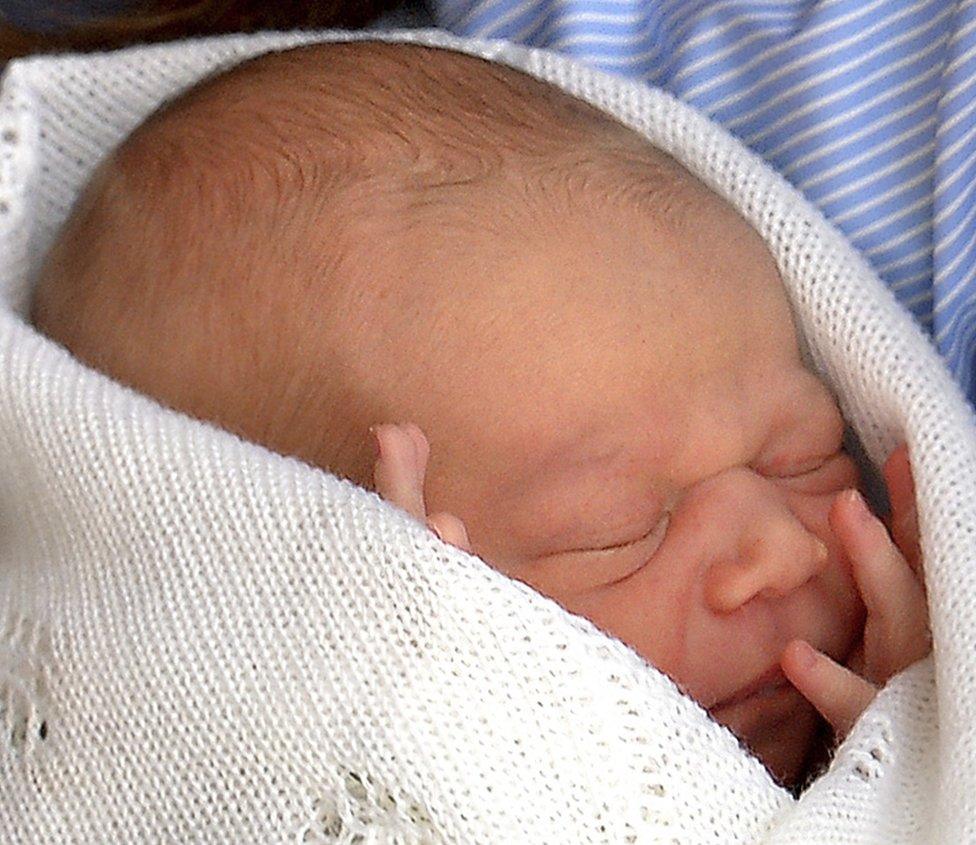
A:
(888, 575)
(398, 476)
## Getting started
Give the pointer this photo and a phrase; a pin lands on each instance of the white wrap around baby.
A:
(203, 641)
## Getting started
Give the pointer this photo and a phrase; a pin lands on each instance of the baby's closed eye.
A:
(604, 565)
(816, 476)
(642, 548)
(648, 542)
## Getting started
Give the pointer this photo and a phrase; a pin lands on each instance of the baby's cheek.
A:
(651, 612)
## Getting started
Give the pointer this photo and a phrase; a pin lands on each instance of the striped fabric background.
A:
(867, 106)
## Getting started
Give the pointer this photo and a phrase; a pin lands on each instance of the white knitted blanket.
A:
(202, 641)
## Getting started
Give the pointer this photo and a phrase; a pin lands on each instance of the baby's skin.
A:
(885, 561)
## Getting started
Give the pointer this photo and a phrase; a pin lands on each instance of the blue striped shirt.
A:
(867, 106)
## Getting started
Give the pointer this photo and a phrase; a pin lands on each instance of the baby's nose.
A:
(774, 559)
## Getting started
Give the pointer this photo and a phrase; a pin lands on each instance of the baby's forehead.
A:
(597, 302)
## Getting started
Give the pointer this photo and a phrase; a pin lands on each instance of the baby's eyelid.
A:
(657, 532)
(792, 470)
(810, 466)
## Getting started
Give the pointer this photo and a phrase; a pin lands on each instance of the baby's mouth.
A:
(763, 686)
(760, 709)
(771, 718)
(772, 681)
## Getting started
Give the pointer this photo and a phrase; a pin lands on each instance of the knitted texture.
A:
(204, 641)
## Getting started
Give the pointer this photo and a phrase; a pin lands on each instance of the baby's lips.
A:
(771, 679)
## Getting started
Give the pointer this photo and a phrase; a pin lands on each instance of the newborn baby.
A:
(597, 348)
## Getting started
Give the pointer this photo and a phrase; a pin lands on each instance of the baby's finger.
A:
(450, 529)
(839, 695)
(904, 516)
(421, 450)
(890, 589)
(398, 475)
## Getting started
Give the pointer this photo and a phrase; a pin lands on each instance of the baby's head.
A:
(598, 348)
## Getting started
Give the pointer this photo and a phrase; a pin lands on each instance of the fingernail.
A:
(860, 506)
(805, 655)
(435, 529)
(376, 442)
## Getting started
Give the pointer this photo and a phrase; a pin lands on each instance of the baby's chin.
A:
(793, 751)
(793, 745)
